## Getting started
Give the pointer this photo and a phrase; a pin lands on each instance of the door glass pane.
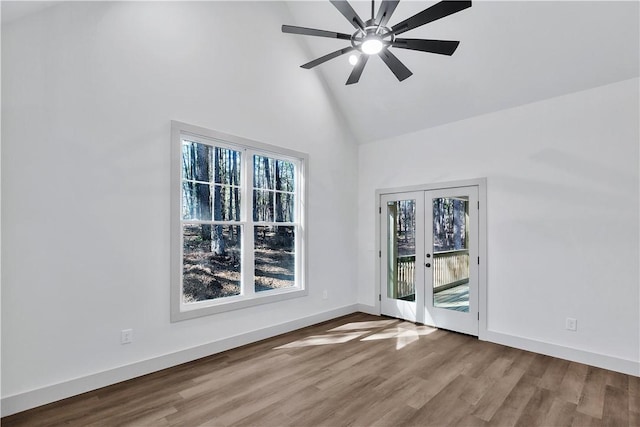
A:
(401, 250)
(451, 253)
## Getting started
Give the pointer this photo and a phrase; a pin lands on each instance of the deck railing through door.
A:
(406, 268)
(450, 268)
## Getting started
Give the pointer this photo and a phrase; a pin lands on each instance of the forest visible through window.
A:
(218, 207)
(449, 224)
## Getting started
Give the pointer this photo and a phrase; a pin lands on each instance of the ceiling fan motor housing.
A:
(372, 31)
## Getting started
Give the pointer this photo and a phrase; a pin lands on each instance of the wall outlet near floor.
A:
(571, 324)
(325, 294)
(126, 336)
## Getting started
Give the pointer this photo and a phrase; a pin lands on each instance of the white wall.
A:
(0, 231)
(89, 90)
(562, 213)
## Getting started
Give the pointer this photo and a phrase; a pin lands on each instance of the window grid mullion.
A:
(221, 184)
(275, 224)
(248, 257)
(211, 222)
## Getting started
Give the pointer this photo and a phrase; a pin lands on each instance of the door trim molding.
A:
(481, 183)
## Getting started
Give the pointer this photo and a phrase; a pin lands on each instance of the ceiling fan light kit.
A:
(374, 37)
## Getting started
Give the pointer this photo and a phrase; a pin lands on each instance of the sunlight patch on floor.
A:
(323, 340)
(402, 335)
(355, 326)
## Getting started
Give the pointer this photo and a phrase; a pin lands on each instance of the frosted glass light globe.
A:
(371, 46)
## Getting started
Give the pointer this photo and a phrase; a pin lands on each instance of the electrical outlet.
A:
(325, 294)
(126, 336)
(571, 324)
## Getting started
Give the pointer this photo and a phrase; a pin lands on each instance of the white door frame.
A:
(481, 183)
(404, 309)
(465, 322)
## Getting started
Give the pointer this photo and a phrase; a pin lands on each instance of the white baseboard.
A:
(612, 363)
(604, 361)
(34, 398)
(369, 309)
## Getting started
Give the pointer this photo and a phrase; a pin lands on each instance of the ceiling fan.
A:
(375, 37)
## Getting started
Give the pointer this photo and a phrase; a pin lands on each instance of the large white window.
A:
(238, 235)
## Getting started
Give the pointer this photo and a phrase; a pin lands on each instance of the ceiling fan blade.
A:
(386, 10)
(394, 64)
(345, 8)
(327, 57)
(442, 47)
(433, 13)
(292, 29)
(357, 69)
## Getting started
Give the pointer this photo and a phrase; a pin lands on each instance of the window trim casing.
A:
(179, 311)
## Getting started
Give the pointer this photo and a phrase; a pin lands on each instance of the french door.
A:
(429, 257)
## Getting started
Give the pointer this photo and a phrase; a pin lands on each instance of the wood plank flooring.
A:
(359, 370)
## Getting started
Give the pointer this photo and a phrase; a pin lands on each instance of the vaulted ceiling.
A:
(511, 53)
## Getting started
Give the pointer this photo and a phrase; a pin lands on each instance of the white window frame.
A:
(248, 148)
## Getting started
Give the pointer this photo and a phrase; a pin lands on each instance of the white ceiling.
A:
(14, 10)
(511, 53)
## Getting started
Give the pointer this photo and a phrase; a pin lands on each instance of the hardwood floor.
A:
(359, 370)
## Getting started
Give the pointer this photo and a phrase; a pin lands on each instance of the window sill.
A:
(205, 308)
